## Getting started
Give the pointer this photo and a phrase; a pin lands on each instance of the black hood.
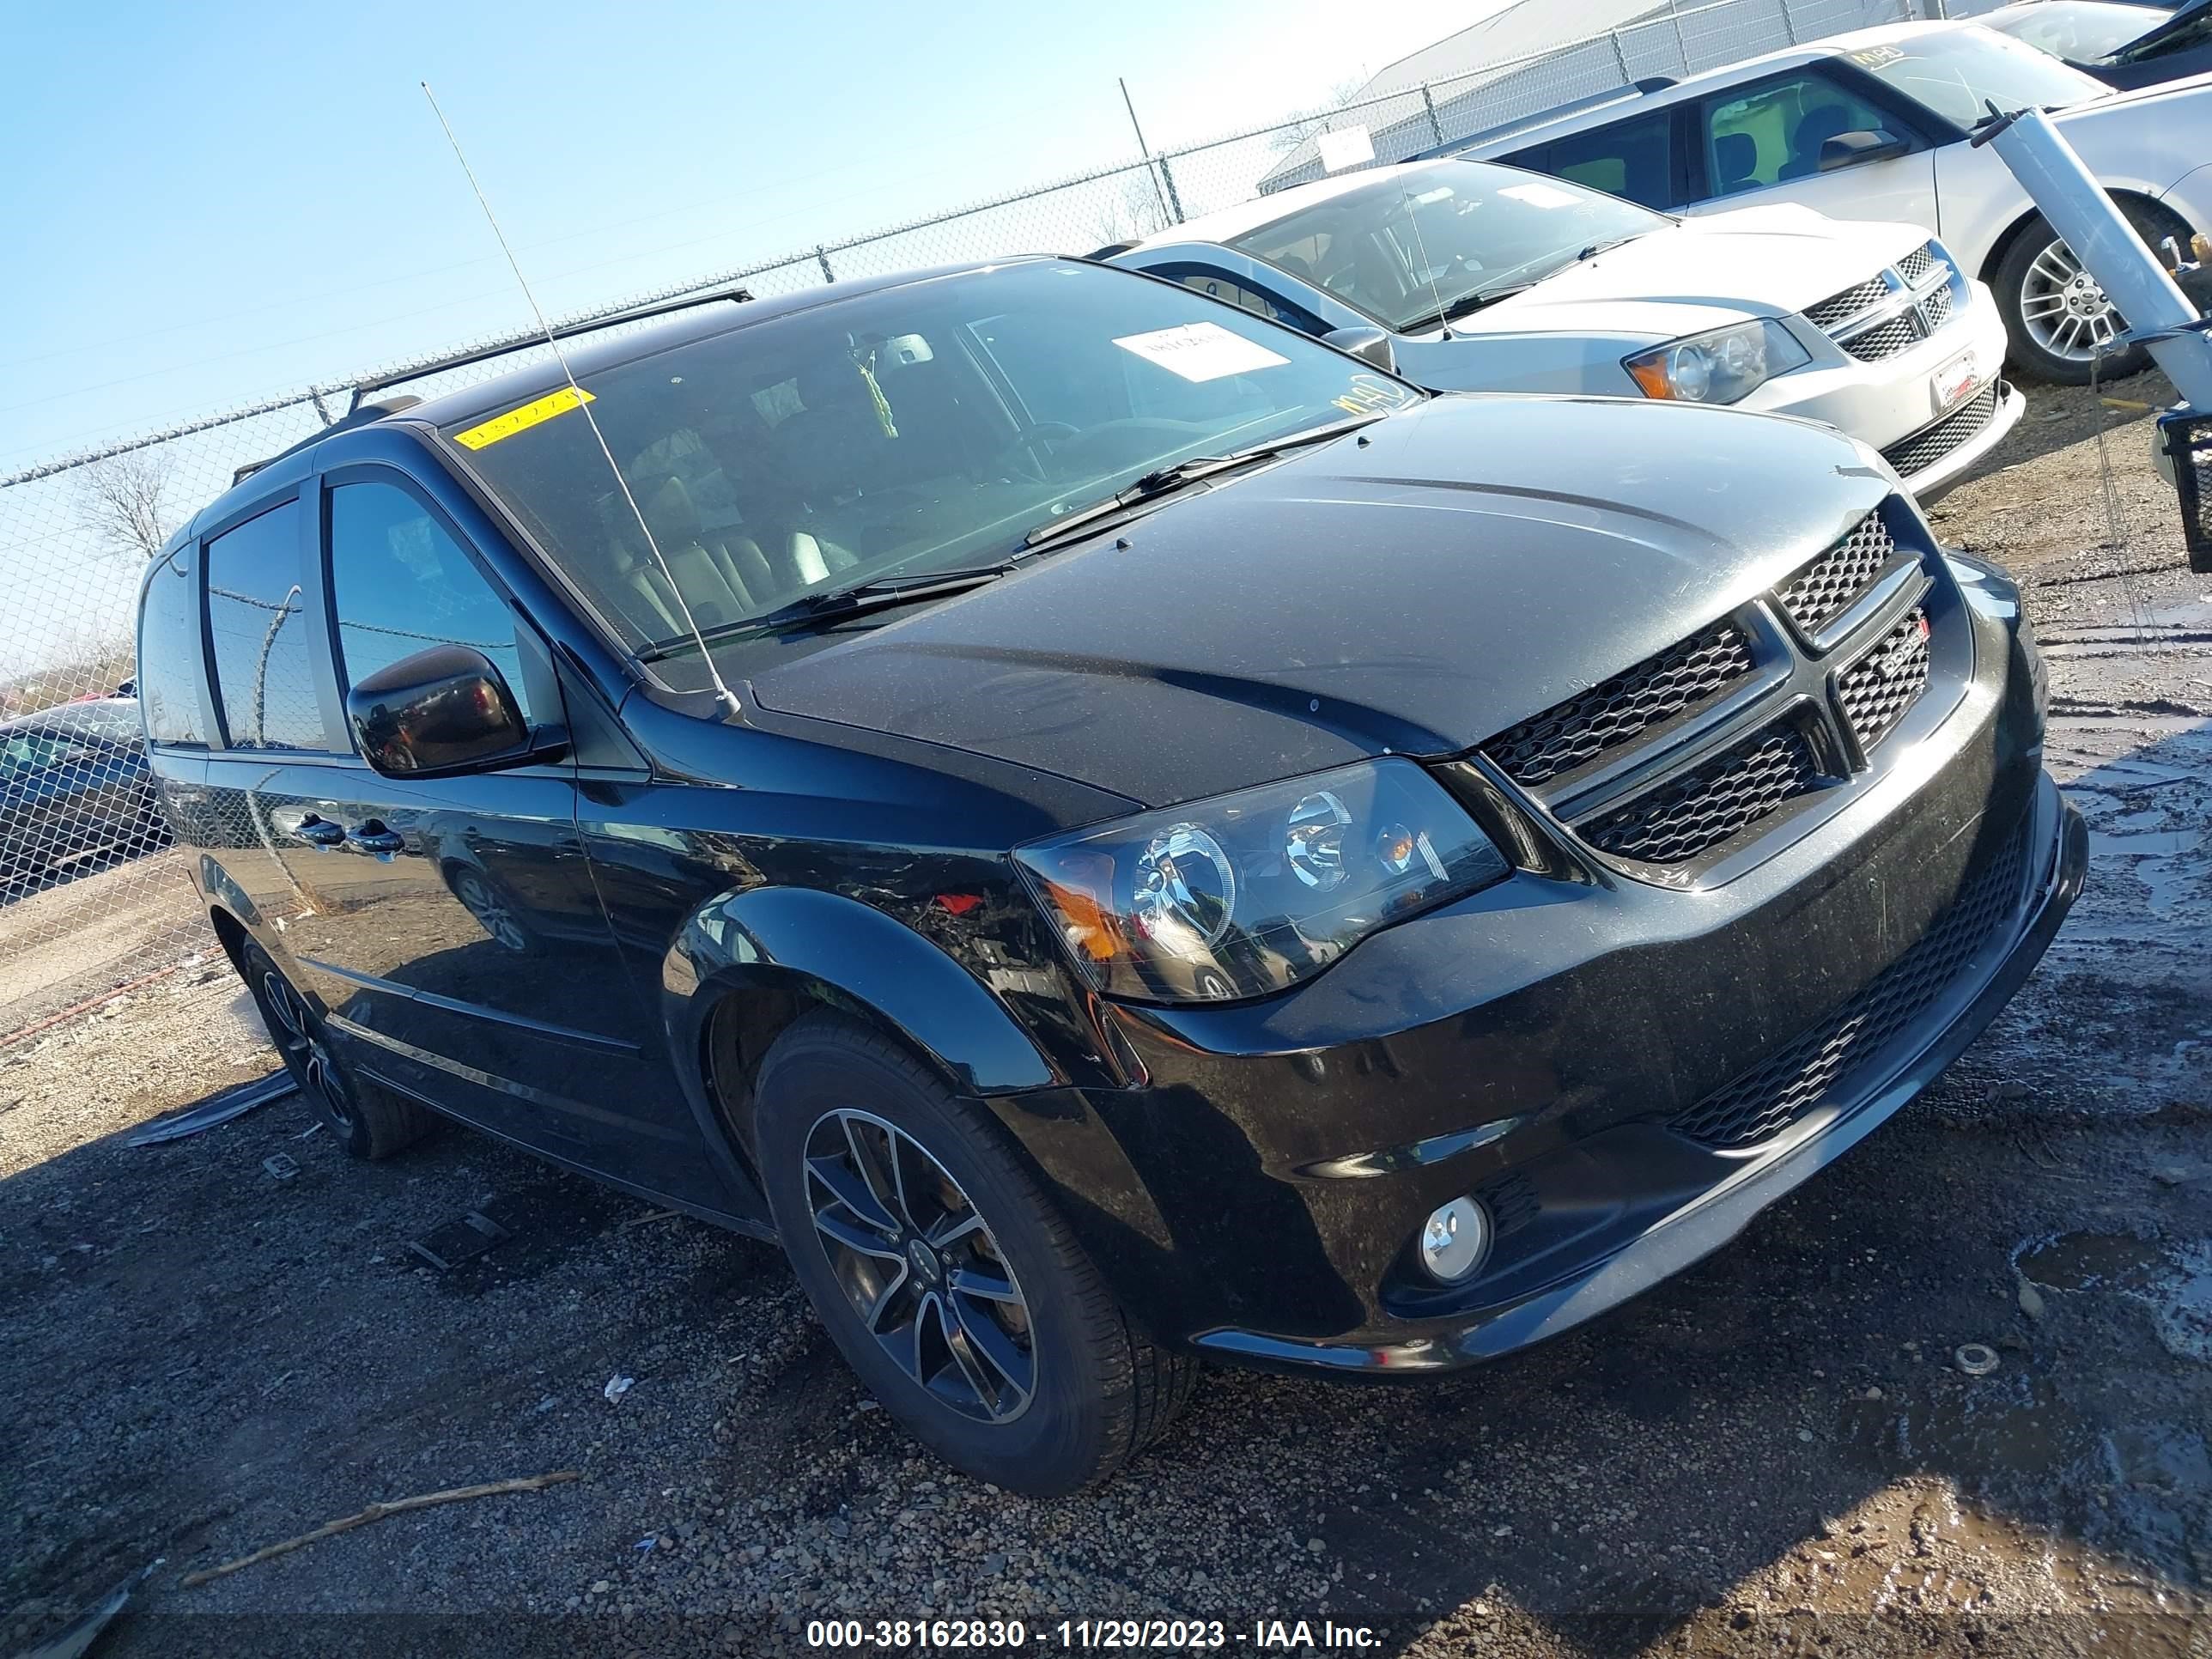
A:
(1472, 562)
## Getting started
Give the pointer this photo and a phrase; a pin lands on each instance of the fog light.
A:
(1454, 1240)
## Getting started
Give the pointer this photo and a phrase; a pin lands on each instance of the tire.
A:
(1045, 1392)
(2039, 273)
(369, 1123)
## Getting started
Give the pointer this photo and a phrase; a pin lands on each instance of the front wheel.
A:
(947, 1280)
(2060, 321)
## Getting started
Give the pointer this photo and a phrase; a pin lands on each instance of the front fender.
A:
(859, 954)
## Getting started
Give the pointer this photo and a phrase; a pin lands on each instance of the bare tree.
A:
(1284, 139)
(119, 502)
(1134, 213)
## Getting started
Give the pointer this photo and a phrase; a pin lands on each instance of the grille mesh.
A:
(1885, 339)
(1767, 1099)
(1690, 814)
(1574, 732)
(1829, 586)
(1882, 686)
(1915, 266)
(1935, 308)
(1842, 308)
(1931, 444)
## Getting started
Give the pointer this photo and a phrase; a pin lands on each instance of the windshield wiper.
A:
(835, 605)
(1606, 246)
(1165, 480)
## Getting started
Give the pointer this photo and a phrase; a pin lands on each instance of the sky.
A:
(209, 205)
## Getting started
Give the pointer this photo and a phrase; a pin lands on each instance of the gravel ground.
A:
(1776, 1451)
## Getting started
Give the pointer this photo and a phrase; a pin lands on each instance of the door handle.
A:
(373, 837)
(320, 832)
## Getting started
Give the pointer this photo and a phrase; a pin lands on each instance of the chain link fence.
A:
(93, 899)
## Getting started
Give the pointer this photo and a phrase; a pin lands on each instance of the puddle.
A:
(2171, 1282)
(2159, 843)
(2080, 1261)
(2010, 1423)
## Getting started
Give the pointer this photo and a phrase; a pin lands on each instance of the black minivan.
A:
(1119, 832)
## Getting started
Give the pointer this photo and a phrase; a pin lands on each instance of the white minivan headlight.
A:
(1720, 367)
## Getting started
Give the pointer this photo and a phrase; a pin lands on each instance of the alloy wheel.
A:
(920, 1265)
(300, 1041)
(2065, 311)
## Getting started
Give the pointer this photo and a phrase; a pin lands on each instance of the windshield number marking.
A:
(1199, 352)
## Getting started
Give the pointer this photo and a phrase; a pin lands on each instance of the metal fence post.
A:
(822, 258)
(1790, 23)
(1175, 201)
(1436, 127)
(1620, 58)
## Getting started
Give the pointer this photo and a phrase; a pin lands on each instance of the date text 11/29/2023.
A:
(1168, 1635)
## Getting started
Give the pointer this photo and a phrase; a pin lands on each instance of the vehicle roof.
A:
(1554, 122)
(587, 354)
(1229, 223)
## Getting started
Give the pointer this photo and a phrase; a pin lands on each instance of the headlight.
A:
(1249, 893)
(1718, 368)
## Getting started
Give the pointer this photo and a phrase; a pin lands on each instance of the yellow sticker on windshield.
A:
(522, 419)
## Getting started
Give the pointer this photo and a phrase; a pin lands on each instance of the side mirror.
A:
(440, 711)
(1370, 344)
(1849, 149)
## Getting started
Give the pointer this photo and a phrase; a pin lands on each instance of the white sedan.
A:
(1481, 278)
(1879, 124)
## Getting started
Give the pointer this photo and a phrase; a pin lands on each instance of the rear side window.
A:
(400, 584)
(259, 626)
(1632, 159)
(1774, 135)
(170, 662)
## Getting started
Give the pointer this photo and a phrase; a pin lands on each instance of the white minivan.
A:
(1473, 276)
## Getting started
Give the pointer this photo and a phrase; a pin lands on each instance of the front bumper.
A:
(1891, 402)
(1706, 1219)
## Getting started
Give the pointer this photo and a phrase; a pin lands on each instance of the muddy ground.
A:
(1775, 1452)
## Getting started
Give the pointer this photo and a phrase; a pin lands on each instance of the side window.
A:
(400, 584)
(259, 626)
(1632, 159)
(170, 658)
(1774, 134)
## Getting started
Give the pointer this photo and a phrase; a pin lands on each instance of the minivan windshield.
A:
(1422, 245)
(1958, 73)
(927, 428)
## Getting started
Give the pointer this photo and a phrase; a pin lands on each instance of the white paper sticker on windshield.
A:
(1542, 196)
(1346, 147)
(1200, 351)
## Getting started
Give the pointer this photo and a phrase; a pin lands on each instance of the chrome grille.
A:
(1935, 308)
(1829, 586)
(1917, 266)
(1773, 1094)
(1885, 339)
(1932, 443)
(1572, 734)
(1882, 686)
(1690, 814)
(1842, 308)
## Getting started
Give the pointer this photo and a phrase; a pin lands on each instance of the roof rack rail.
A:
(360, 415)
(524, 343)
(1656, 84)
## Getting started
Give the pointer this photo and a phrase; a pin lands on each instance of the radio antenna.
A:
(1420, 247)
(722, 692)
